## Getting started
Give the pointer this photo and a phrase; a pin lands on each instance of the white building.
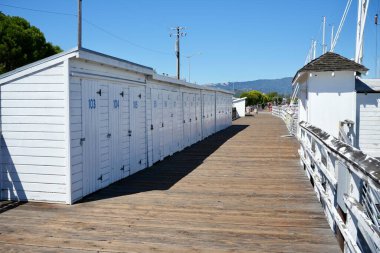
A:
(333, 97)
(239, 104)
(78, 121)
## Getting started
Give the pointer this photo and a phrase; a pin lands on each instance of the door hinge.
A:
(81, 141)
(129, 133)
(99, 92)
(122, 93)
(108, 135)
(122, 168)
(100, 178)
(151, 127)
(162, 124)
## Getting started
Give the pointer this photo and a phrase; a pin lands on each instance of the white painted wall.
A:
(331, 98)
(33, 144)
(368, 111)
(239, 104)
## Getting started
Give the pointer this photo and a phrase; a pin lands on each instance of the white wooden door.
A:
(212, 113)
(186, 120)
(118, 131)
(198, 115)
(167, 123)
(137, 129)
(193, 125)
(156, 127)
(177, 121)
(94, 141)
(124, 127)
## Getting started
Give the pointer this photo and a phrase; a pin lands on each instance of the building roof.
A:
(93, 56)
(367, 85)
(331, 62)
(236, 100)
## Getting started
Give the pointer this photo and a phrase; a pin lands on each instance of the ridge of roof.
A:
(331, 62)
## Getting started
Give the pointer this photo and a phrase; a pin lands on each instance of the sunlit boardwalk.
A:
(240, 190)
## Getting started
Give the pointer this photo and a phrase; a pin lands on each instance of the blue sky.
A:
(240, 40)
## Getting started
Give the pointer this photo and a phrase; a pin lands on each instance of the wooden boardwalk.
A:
(240, 190)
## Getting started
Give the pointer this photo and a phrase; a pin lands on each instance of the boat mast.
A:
(362, 15)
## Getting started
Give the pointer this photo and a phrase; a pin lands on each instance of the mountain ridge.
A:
(280, 85)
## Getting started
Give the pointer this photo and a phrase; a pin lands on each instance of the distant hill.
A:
(281, 86)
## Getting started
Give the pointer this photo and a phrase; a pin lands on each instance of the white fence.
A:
(347, 183)
(289, 114)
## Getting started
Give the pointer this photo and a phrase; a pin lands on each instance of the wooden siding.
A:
(33, 151)
(240, 190)
(368, 110)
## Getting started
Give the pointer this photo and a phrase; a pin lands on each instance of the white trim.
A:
(36, 68)
(171, 80)
(105, 77)
(66, 70)
(93, 56)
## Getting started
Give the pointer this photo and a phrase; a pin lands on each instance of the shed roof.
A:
(90, 55)
(236, 100)
(331, 62)
(367, 85)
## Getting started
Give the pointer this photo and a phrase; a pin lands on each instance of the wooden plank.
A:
(240, 190)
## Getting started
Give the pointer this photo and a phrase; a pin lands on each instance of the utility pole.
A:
(178, 33)
(324, 36)
(79, 24)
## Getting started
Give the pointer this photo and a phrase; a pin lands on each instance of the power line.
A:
(42, 11)
(93, 25)
(123, 39)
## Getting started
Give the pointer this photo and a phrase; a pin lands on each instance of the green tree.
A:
(254, 97)
(21, 43)
(272, 96)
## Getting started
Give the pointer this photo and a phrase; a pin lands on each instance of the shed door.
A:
(198, 114)
(193, 124)
(167, 123)
(124, 127)
(137, 129)
(95, 144)
(156, 127)
(176, 136)
(186, 120)
(118, 131)
(178, 121)
(212, 113)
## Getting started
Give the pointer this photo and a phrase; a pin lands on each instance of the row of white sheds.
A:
(78, 121)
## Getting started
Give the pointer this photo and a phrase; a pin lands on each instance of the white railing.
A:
(347, 183)
(289, 114)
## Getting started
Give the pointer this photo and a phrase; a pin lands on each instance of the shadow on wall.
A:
(165, 174)
(10, 185)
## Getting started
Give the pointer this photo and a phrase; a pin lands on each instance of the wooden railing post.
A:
(347, 182)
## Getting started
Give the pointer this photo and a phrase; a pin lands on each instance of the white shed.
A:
(333, 97)
(239, 104)
(78, 121)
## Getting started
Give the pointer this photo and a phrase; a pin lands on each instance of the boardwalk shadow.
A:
(163, 175)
